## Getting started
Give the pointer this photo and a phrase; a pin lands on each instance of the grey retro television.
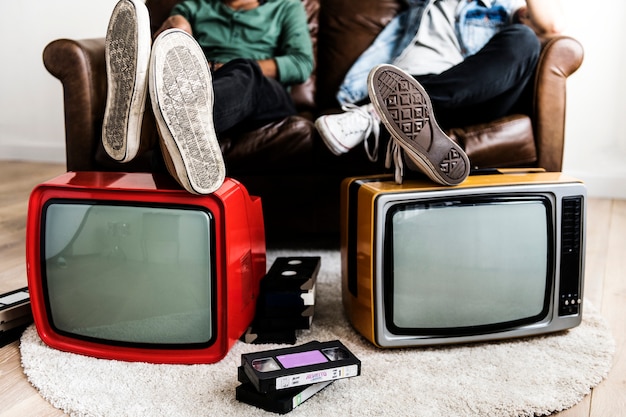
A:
(499, 256)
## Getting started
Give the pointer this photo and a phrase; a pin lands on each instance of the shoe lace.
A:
(372, 130)
(394, 152)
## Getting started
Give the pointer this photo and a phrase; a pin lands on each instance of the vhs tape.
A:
(270, 311)
(15, 314)
(313, 362)
(286, 300)
(280, 402)
(255, 335)
(294, 273)
(291, 320)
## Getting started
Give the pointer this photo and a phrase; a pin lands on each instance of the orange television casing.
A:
(364, 202)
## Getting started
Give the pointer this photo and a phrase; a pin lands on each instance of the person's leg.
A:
(192, 107)
(487, 85)
(243, 94)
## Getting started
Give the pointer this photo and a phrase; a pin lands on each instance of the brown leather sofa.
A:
(285, 162)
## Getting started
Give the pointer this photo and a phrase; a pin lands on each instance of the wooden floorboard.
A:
(609, 399)
(605, 289)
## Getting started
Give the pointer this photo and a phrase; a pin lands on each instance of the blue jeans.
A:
(354, 86)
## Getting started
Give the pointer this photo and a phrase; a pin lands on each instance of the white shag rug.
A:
(523, 377)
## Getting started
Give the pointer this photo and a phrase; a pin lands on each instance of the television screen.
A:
(129, 273)
(468, 264)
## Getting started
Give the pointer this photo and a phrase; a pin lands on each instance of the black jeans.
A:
(495, 82)
(245, 98)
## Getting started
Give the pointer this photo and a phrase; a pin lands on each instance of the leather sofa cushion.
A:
(506, 142)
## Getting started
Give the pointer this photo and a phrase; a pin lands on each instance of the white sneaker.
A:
(127, 54)
(342, 132)
(181, 92)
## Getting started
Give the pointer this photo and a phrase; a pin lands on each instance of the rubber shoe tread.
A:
(181, 93)
(127, 55)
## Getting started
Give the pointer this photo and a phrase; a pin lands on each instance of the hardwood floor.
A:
(605, 288)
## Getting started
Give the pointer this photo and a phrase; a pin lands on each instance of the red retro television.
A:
(129, 266)
(498, 256)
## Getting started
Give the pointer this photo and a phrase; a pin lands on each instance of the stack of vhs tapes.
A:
(286, 301)
(15, 315)
(280, 380)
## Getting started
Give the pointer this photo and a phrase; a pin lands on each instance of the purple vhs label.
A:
(294, 360)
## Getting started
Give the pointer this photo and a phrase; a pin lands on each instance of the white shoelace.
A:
(394, 152)
(373, 128)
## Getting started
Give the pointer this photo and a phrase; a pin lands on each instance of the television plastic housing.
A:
(129, 266)
(498, 256)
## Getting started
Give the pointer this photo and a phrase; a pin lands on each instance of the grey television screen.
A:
(467, 264)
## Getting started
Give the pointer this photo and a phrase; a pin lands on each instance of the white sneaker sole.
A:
(181, 91)
(127, 54)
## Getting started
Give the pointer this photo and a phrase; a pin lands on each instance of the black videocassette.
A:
(293, 273)
(286, 300)
(15, 314)
(282, 401)
(313, 362)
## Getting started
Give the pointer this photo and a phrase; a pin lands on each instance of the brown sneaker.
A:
(127, 54)
(181, 91)
(406, 111)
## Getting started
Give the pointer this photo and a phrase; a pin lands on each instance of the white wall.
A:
(595, 149)
(31, 100)
(31, 105)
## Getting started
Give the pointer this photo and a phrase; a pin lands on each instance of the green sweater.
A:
(276, 29)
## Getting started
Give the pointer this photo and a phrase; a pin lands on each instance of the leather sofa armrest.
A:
(561, 56)
(80, 66)
(506, 142)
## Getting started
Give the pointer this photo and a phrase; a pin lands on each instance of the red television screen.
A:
(128, 266)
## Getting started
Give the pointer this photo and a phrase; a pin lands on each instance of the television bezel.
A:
(467, 200)
(118, 203)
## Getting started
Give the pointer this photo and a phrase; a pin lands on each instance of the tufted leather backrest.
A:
(347, 28)
(159, 11)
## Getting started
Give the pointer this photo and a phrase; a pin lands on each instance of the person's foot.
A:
(127, 54)
(343, 131)
(406, 111)
(181, 91)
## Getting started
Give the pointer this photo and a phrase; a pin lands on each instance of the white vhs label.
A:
(313, 377)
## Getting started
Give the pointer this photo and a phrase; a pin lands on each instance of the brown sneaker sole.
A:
(181, 92)
(406, 111)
